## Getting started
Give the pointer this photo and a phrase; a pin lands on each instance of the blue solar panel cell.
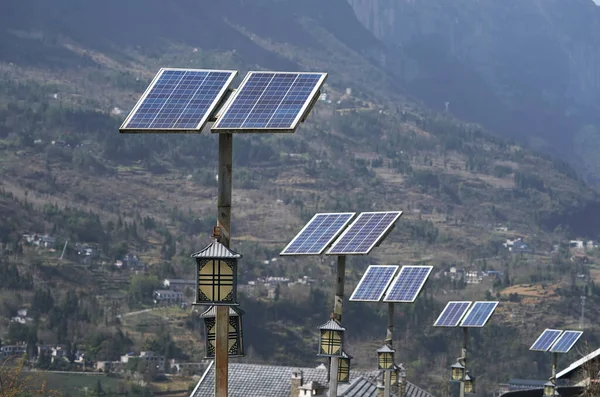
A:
(566, 341)
(479, 314)
(408, 284)
(452, 314)
(374, 283)
(364, 233)
(270, 101)
(318, 233)
(179, 100)
(545, 340)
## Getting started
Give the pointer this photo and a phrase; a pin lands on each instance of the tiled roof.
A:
(252, 380)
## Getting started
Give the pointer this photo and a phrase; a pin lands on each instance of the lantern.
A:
(549, 389)
(235, 335)
(344, 368)
(331, 339)
(469, 383)
(385, 358)
(402, 380)
(217, 275)
(458, 371)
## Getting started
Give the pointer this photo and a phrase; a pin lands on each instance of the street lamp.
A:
(385, 358)
(344, 368)
(458, 370)
(549, 389)
(469, 383)
(235, 336)
(331, 339)
(216, 267)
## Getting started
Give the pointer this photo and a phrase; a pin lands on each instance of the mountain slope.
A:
(154, 195)
(525, 69)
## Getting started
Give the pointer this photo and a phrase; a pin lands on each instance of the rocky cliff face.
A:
(529, 69)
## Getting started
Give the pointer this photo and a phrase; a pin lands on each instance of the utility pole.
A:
(389, 340)
(337, 315)
(224, 224)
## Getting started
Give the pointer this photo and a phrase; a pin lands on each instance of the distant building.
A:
(473, 277)
(13, 350)
(167, 296)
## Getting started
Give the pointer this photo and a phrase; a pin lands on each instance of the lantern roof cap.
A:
(346, 355)
(332, 325)
(212, 312)
(469, 377)
(385, 349)
(217, 250)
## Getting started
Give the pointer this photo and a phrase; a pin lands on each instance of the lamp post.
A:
(331, 344)
(385, 362)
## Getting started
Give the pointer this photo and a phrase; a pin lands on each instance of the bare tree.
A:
(13, 383)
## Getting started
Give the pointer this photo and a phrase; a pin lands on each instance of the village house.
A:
(13, 350)
(21, 317)
(167, 296)
(44, 241)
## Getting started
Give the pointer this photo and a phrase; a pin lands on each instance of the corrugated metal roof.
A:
(332, 325)
(217, 250)
(577, 364)
(252, 380)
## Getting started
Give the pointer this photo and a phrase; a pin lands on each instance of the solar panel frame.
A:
(300, 116)
(201, 123)
(383, 286)
(478, 324)
(350, 229)
(546, 340)
(326, 244)
(415, 291)
(566, 341)
(462, 309)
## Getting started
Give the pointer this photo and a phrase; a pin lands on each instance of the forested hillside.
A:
(142, 204)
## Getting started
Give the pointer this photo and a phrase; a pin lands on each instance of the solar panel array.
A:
(318, 233)
(545, 340)
(178, 100)
(479, 314)
(566, 341)
(452, 314)
(408, 284)
(373, 283)
(364, 233)
(270, 101)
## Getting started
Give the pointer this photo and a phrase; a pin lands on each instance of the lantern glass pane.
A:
(394, 378)
(457, 373)
(469, 387)
(386, 360)
(331, 342)
(215, 281)
(548, 391)
(343, 370)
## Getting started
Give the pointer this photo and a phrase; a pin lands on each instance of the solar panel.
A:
(545, 340)
(270, 101)
(452, 314)
(408, 284)
(479, 314)
(178, 100)
(566, 341)
(364, 233)
(318, 233)
(373, 283)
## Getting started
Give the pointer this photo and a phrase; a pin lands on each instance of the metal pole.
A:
(387, 380)
(337, 314)
(553, 379)
(464, 357)
(224, 224)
